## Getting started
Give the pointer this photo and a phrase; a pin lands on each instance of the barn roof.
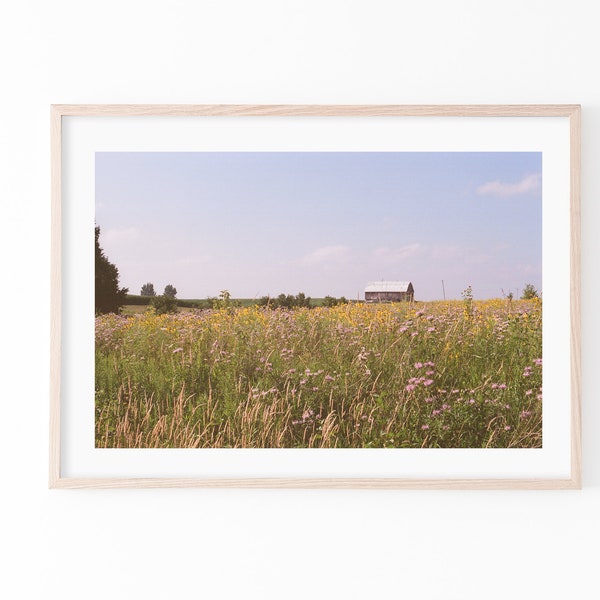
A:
(387, 286)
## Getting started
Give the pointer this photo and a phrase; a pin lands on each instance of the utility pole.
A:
(443, 289)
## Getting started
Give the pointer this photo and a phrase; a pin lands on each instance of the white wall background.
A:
(277, 544)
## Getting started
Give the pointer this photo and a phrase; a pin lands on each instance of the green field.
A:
(194, 304)
(442, 374)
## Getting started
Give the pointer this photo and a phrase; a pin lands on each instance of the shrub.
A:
(331, 301)
(164, 304)
(529, 292)
(300, 300)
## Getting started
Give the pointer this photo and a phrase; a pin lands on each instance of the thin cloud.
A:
(119, 235)
(447, 252)
(456, 253)
(396, 255)
(326, 255)
(530, 183)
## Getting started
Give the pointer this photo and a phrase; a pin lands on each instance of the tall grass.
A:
(355, 375)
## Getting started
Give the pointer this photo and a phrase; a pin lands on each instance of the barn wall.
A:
(388, 296)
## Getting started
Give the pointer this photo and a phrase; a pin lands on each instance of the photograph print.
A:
(318, 300)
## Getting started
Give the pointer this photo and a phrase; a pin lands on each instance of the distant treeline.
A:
(135, 300)
(299, 301)
(282, 301)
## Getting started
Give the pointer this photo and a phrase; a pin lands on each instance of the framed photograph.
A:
(315, 296)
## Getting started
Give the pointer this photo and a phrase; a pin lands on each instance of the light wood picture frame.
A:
(78, 132)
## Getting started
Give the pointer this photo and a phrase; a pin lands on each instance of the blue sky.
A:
(259, 223)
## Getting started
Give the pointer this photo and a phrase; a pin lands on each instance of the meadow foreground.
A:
(408, 375)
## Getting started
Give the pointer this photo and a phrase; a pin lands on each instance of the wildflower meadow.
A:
(456, 374)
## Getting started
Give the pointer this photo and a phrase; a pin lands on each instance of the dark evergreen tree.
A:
(109, 297)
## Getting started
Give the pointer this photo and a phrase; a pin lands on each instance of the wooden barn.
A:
(389, 291)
